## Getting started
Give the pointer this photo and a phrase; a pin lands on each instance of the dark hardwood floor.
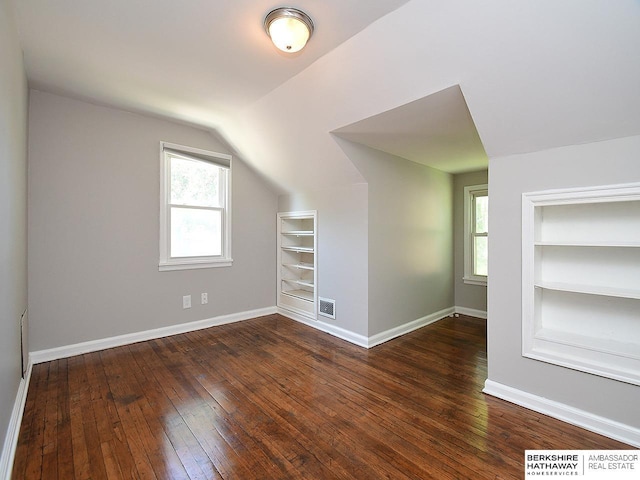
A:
(271, 398)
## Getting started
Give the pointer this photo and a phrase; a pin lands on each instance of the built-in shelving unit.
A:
(581, 279)
(297, 262)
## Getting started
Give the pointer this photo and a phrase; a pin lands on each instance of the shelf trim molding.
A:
(607, 193)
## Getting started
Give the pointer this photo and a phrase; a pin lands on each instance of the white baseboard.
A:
(377, 339)
(11, 439)
(472, 312)
(104, 343)
(334, 330)
(392, 333)
(601, 425)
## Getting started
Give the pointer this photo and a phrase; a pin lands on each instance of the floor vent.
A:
(327, 307)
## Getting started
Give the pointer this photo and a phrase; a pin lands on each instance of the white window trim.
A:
(166, 263)
(469, 193)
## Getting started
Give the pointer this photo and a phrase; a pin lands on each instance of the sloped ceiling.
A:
(436, 131)
(196, 60)
(535, 74)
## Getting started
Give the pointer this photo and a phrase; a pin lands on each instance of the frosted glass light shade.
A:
(289, 29)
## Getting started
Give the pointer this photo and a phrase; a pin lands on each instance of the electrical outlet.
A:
(204, 298)
(186, 301)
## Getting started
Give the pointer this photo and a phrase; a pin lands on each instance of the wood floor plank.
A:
(113, 446)
(275, 408)
(377, 413)
(253, 441)
(194, 459)
(294, 411)
(363, 407)
(256, 447)
(31, 451)
(77, 404)
(203, 419)
(153, 453)
(270, 398)
(49, 449)
(64, 445)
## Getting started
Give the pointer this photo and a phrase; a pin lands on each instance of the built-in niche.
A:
(581, 279)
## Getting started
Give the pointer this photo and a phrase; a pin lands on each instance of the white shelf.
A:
(608, 346)
(299, 281)
(590, 289)
(587, 244)
(302, 294)
(300, 266)
(299, 233)
(299, 249)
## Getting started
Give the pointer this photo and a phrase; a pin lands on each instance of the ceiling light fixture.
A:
(289, 28)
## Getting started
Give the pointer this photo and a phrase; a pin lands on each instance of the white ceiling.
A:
(195, 60)
(422, 79)
(436, 131)
(199, 61)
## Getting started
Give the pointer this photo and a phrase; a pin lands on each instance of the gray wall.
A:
(410, 237)
(466, 295)
(94, 227)
(603, 163)
(342, 250)
(13, 211)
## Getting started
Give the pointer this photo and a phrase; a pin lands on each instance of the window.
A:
(476, 234)
(195, 208)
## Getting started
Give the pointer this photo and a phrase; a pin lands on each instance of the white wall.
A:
(409, 237)
(466, 295)
(13, 212)
(603, 163)
(94, 227)
(342, 250)
(385, 249)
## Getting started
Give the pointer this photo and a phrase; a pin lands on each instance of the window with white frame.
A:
(195, 208)
(476, 234)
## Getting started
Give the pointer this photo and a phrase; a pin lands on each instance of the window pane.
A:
(195, 232)
(194, 183)
(480, 254)
(482, 214)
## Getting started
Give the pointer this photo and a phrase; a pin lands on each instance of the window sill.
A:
(194, 264)
(475, 281)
